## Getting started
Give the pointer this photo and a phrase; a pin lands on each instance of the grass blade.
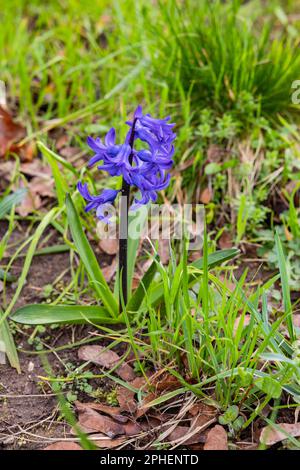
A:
(285, 286)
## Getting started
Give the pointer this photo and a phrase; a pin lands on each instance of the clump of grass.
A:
(225, 60)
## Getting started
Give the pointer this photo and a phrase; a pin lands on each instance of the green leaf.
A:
(43, 314)
(89, 260)
(245, 377)
(139, 295)
(216, 258)
(9, 345)
(11, 200)
(230, 415)
(269, 386)
(285, 286)
(4, 276)
(212, 168)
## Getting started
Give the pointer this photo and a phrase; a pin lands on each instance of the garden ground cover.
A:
(224, 73)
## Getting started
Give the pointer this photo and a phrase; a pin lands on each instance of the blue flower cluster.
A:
(144, 169)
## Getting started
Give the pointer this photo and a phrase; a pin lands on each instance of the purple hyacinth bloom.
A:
(148, 187)
(100, 202)
(153, 131)
(144, 169)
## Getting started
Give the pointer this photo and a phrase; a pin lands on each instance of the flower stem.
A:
(123, 235)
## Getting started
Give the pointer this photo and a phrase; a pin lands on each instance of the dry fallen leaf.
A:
(206, 196)
(203, 409)
(10, 132)
(110, 270)
(99, 423)
(29, 204)
(216, 439)
(36, 168)
(215, 153)
(113, 411)
(133, 428)
(63, 445)
(106, 358)
(270, 436)
(103, 442)
(164, 250)
(225, 240)
(182, 434)
(126, 399)
(109, 245)
(43, 186)
(164, 382)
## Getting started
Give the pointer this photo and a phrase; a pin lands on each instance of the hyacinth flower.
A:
(145, 170)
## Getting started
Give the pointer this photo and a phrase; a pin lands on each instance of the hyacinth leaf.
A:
(139, 294)
(98, 282)
(213, 260)
(36, 314)
(11, 200)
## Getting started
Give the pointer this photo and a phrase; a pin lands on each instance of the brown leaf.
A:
(69, 152)
(126, 399)
(63, 445)
(214, 153)
(206, 196)
(102, 442)
(164, 382)
(270, 435)
(110, 270)
(106, 358)
(62, 141)
(10, 132)
(216, 439)
(82, 428)
(100, 423)
(113, 411)
(138, 382)
(180, 432)
(132, 428)
(36, 168)
(164, 251)
(202, 409)
(29, 204)
(109, 246)
(225, 240)
(43, 186)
